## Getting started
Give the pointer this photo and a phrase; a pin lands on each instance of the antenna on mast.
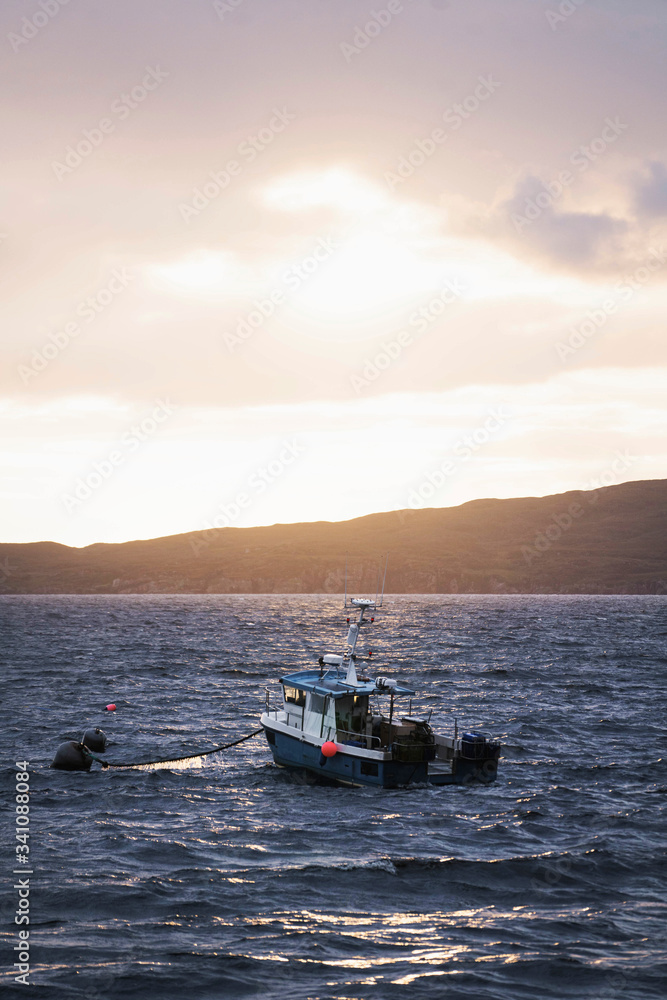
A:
(345, 605)
(383, 583)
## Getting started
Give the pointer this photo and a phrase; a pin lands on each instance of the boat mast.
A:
(352, 640)
(363, 605)
(378, 604)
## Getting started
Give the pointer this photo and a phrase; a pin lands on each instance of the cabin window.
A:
(294, 696)
(351, 713)
(316, 703)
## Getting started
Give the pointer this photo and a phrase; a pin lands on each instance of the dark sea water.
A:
(232, 878)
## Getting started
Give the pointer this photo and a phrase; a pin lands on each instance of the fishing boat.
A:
(350, 729)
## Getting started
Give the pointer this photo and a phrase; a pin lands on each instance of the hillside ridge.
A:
(609, 540)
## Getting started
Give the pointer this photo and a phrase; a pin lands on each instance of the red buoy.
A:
(111, 708)
(329, 749)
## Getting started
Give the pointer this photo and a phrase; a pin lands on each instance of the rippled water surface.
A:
(233, 878)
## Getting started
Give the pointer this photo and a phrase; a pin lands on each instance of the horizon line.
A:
(359, 517)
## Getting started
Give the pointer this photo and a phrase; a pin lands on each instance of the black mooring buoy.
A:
(72, 756)
(95, 740)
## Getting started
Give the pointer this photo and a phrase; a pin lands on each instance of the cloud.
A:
(651, 192)
(546, 436)
(281, 314)
(561, 226)
(574, 239)
(322, 269)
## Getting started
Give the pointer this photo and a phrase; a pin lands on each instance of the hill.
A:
(610, 540)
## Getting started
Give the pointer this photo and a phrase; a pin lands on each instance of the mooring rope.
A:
(175, 760)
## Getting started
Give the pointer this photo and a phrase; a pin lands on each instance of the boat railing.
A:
(413, 753)
(356, 738)
(267, 702)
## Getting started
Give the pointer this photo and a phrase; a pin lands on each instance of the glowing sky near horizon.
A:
(288, 260)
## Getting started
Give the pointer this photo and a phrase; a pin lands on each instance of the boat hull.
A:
(359, 769)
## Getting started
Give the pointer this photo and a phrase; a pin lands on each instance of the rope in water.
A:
(175, 760)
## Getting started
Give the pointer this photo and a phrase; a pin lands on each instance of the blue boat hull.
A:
(351, 769)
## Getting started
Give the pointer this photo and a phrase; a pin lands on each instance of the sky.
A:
(293, 260)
